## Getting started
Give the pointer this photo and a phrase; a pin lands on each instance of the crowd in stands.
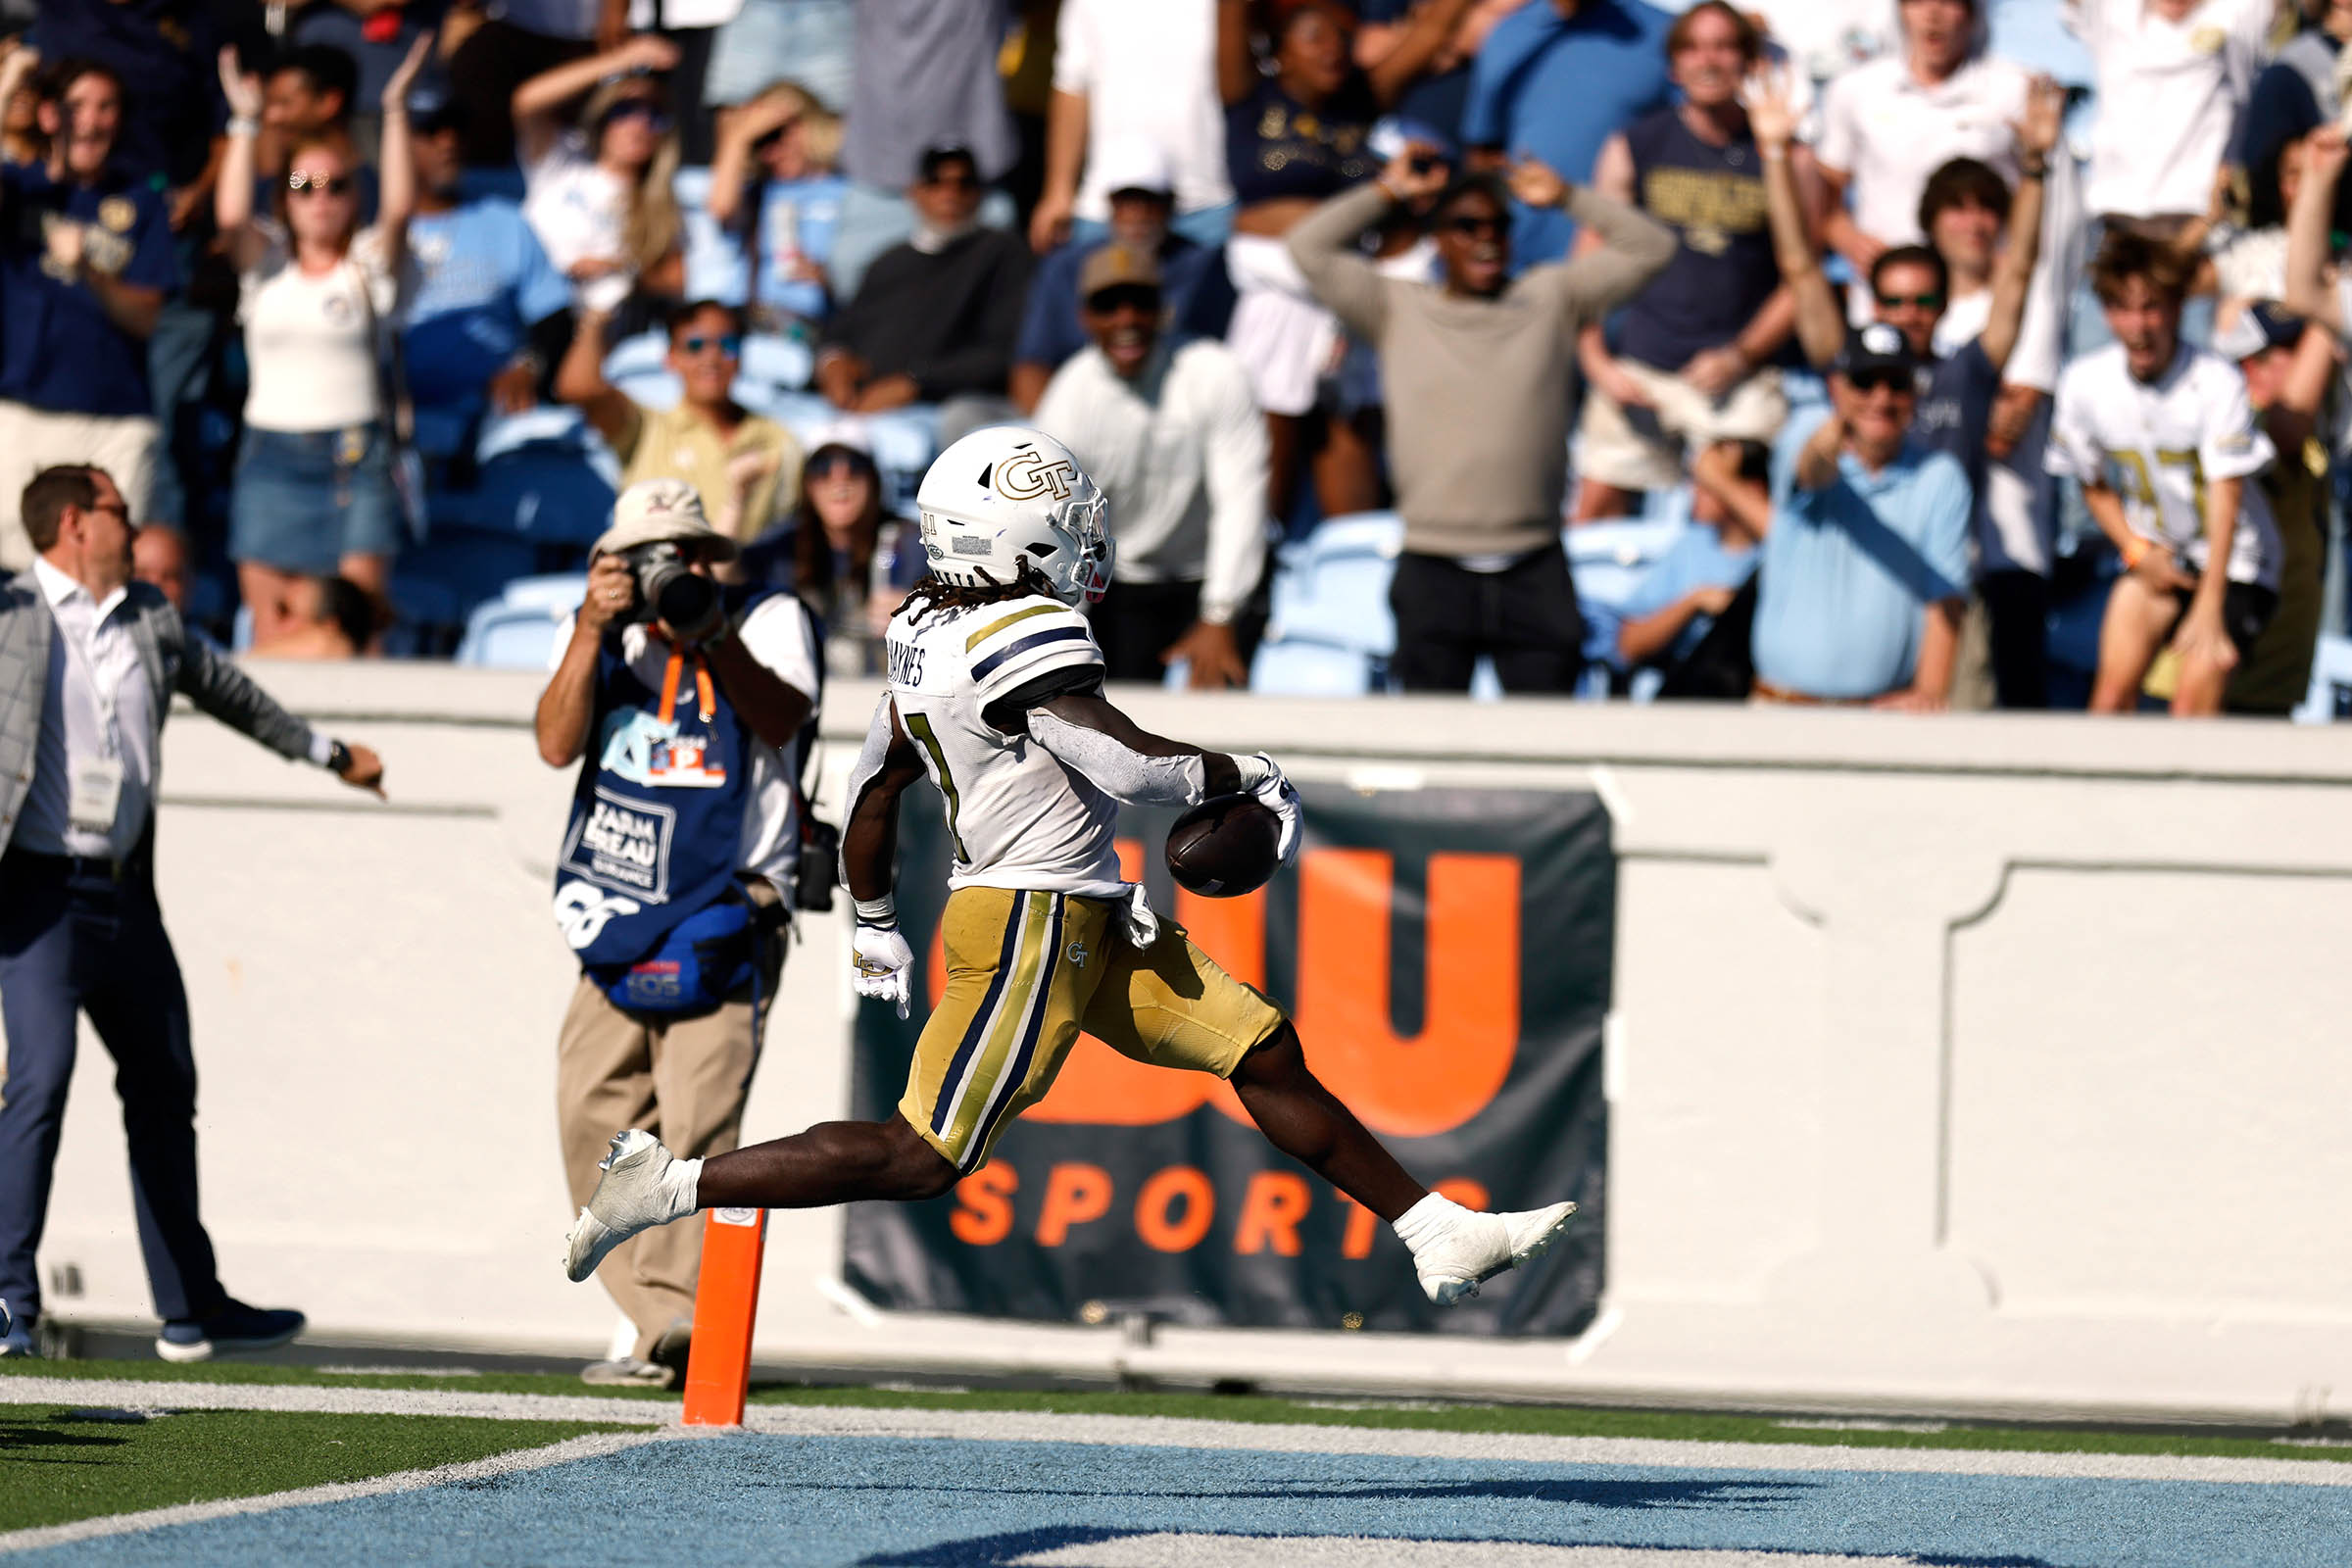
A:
(1906, 353)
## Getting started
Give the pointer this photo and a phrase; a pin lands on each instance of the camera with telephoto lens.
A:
(668, 591)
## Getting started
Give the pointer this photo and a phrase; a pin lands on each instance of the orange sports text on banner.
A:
(727, 1306)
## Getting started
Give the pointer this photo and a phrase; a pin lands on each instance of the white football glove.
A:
(883, 964)
(1262, 778)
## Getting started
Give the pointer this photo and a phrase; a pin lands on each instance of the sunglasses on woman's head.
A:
(730, 345)
(633, 107)
(301, 184)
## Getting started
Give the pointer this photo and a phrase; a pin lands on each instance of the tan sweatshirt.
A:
(1478, 389)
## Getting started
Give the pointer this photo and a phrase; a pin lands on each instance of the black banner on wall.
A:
(1447, 956)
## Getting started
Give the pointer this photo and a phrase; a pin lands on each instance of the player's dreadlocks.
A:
(934, 593)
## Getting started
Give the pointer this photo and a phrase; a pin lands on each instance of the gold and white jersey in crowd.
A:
(2158, 444)
(1017, 816)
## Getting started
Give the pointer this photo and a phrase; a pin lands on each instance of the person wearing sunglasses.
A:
(1863, 573)
(309, 94)
(1481, 377)
(1167, 429)
(84, 269)
(1912, 290)
(81, 929)
(315, 494)
(597, 191)
(745, 463)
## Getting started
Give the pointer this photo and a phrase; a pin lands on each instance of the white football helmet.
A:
(1007, 497)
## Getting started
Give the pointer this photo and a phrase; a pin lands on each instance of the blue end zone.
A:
(895, 1503)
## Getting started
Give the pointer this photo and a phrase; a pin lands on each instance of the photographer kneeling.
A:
(688, 707)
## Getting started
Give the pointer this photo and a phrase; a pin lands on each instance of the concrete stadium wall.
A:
(1967, 1063)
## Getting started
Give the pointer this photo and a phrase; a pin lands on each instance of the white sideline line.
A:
(592, 1446)
(1164, 1432)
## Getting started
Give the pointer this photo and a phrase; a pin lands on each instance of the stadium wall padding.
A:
(1972, 1062)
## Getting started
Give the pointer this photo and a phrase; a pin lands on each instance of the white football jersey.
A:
(1018, 819)
(2159, 444)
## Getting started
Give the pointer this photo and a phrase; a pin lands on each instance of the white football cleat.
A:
(1478, 1246)
(631, 1197)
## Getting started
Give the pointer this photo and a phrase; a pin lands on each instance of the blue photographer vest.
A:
(656, 819)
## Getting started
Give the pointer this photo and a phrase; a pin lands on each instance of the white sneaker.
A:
(632, 1197)
(1478, 1246)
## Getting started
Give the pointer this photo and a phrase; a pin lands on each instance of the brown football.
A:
(1224, 846)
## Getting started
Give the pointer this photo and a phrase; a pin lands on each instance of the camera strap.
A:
(673, 674)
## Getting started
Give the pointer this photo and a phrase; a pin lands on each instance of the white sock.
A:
(680, 1185)
(1425, 1219)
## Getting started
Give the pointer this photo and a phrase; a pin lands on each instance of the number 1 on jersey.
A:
(919, 727)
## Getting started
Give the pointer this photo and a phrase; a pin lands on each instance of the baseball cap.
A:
(1876, 347)
(1116, 266)
(1134, 162)
(937, 153)
(2262, 325)
(655, 511)
(432, 108)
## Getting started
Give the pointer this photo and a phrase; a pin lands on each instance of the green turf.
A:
(55, 1467)
(1420, 1415)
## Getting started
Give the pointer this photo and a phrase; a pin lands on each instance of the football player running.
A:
(996, 692)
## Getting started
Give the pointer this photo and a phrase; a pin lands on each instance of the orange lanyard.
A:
(702, 686)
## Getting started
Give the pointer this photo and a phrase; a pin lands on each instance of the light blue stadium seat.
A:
(469, 569)
(775, 361)
(1609, 561)
(1332, 587)
(2330, 691)
(560, 592)
(716, 267)
(500, 636)
(544, 494)
(1304, 668)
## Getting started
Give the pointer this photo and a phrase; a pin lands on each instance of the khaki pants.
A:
(33, 439)
(684, 1081)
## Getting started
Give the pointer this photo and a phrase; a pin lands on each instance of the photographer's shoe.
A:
(643, 1186)
(1455, 1248)
(630, 1373)
(235, 1327)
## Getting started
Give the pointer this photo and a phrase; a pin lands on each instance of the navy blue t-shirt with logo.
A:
(1723, 271)
(59, 349)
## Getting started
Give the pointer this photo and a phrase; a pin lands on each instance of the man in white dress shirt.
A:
(1169, 430)
(89, 659)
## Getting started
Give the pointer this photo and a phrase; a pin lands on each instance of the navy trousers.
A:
(73, 939)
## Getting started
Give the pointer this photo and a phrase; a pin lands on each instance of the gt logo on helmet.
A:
(1029, 475)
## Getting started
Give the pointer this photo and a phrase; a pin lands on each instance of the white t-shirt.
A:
(1017, 818)
(775, 634)
(313, 342)
(580, 213)
(1150, 73)
(2169, 94)
(1889, 130)
(2158, 444)
(1181, 453)
(1827, 38)
(683, 12)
